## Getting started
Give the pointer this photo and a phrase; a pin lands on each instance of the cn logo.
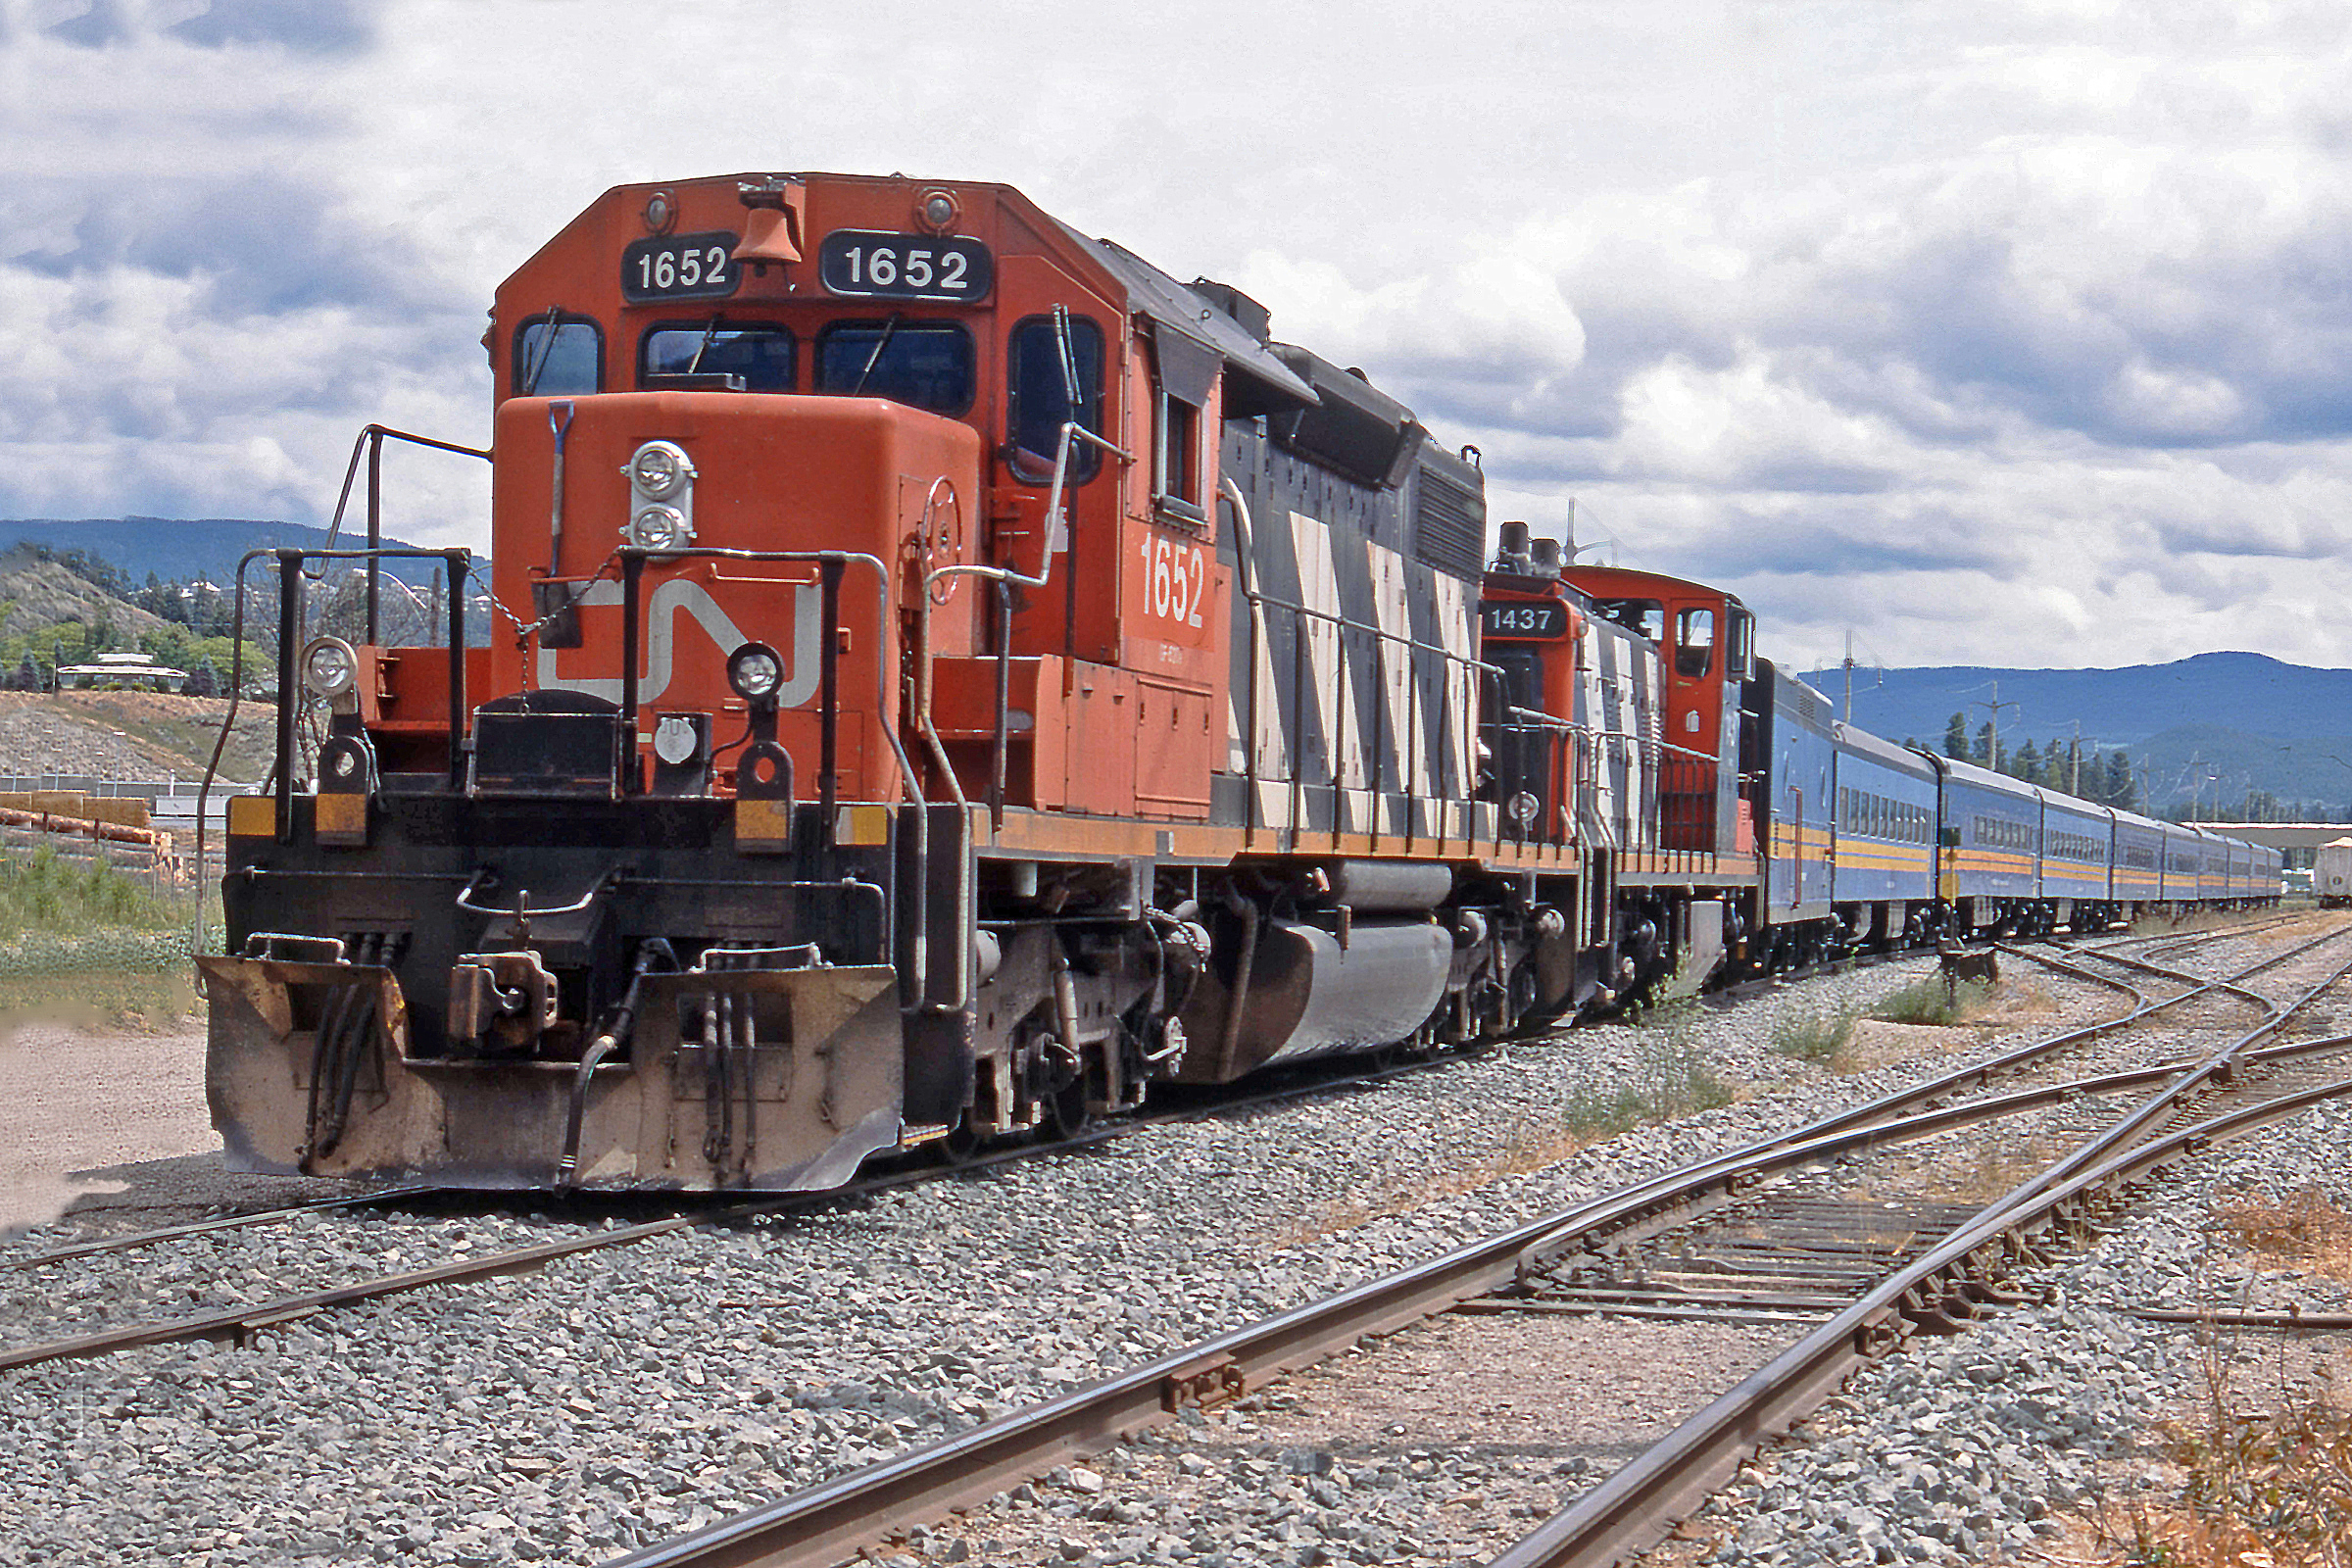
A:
(662, 608)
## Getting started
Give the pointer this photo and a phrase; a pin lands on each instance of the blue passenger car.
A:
(2078, 847)
(1991, 852)
(1883, 878)
(2183, 864)
(2138, 861)
(1801, 755)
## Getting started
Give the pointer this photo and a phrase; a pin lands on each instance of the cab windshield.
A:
(925, 365)
(749, 358)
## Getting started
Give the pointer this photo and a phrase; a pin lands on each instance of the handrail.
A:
(1005, 579)
(289, 619)
(371, 439)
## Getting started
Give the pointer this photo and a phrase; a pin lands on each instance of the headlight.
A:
(755, 672)
(329, 667)
(659, 528)
(659, 470)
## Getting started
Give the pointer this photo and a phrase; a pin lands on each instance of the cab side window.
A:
(1041, 397)
(1184, 376)
(557, 356)
(1694, 641)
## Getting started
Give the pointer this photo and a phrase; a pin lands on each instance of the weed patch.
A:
(1932, 1002)
(1815, 1035)
(1671, 1078)
(2304, 1230)
(2257, 1486)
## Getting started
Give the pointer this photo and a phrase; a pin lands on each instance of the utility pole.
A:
(1849, 676)
(1992, 753)
(2075, 761)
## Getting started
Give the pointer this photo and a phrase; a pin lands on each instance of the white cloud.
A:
(2012, 331)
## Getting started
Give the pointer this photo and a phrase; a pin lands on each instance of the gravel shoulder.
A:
(75, 1103)
(618, 1397)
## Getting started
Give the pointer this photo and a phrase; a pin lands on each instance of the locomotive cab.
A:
(1706, 639)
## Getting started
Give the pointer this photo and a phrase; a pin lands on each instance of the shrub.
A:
(1931, 1002)
(1816, 1035)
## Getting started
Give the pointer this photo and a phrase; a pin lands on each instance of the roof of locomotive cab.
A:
(1635, 578)
(1116, 270)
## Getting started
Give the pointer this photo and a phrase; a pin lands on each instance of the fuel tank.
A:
(1306, 994)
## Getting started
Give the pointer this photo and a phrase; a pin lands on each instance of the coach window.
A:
(1041, 397)
(1694, 641)
(1185, 371)
(924, 364)
(744, 357)
(557, 356)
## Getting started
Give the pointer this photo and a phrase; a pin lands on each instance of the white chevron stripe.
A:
(1394, 617)
(1318, 591)
(1449, 595)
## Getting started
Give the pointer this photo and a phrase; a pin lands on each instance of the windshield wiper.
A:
(875, 358)
(694, 365)
(547, 351)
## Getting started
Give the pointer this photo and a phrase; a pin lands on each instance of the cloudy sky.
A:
(2015, 331)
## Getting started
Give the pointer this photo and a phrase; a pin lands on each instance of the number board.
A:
(679, 267)
(1534, 620)
(904, 267)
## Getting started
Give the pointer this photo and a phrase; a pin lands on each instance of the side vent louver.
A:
(1449, 524)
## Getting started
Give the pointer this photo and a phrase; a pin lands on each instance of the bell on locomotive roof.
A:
(768, 236)
(771, 226)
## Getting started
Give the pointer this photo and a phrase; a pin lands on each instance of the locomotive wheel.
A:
(1066, 1115)
(961, 1145)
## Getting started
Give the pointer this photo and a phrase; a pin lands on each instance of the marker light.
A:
(755, 672)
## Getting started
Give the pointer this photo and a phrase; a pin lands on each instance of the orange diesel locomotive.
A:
(947, 674)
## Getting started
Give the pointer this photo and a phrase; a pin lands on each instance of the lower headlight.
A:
(659, 528)
(329, 667)
(754, 671)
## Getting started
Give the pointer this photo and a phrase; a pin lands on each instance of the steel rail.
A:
(1637, 1505)
(829, 1521)
(224, 1222)
(237, 1325)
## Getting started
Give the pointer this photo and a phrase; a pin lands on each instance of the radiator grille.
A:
(1449, 524)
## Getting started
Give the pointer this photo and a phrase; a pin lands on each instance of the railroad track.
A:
(1934, 1267)
(392, 1195)
(238, 1323)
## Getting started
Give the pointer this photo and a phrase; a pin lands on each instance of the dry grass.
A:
(162, 1001)
(1671, 1079)
(2303, 1230)
(2259, 1481)
(2266, 1488)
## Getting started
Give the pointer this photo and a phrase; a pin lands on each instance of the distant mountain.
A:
(179, 549)
(2249, 692)
(2212, 727)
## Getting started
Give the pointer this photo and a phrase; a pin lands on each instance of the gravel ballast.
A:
(620, 1397)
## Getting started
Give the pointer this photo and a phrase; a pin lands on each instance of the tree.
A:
(1985, 753)
(1955, 737)
(204, 681)
(2029, 764)
(2122, 792)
